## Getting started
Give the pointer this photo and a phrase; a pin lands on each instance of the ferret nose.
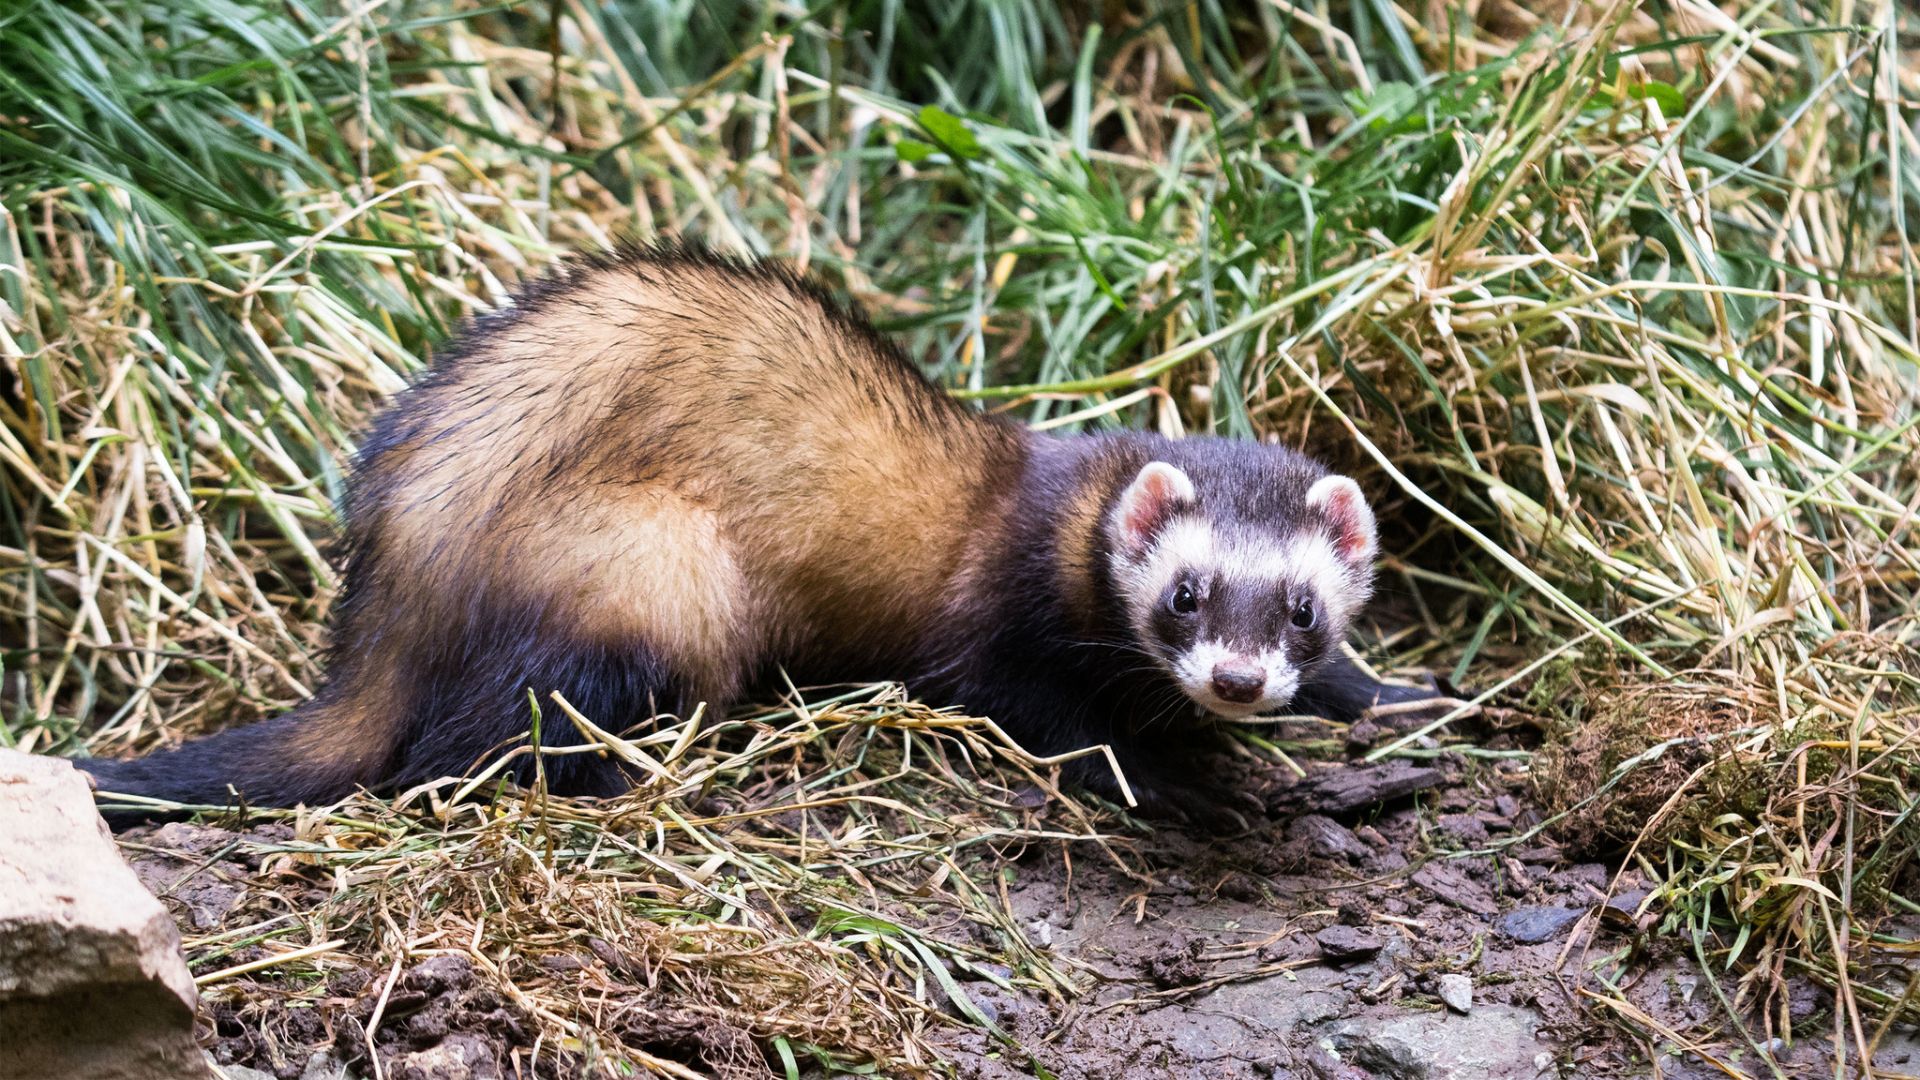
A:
(1238, 681)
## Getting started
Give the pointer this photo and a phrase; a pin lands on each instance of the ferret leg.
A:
(1341, 691)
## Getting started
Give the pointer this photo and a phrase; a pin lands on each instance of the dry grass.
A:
(773, 886)
(1611, 305)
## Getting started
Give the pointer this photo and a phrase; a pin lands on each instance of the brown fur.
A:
(707, 461)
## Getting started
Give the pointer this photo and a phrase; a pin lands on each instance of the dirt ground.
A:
(1323, 941)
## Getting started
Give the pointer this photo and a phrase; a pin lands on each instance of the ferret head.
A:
(1239, 595)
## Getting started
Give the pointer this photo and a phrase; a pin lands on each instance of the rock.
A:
(1325, 838)
(239, 1072)
(1518, 880)
(1353, 787)
(1592, 875)
(322, 1065)
(1464, 829)
(92, 982)
(457, 1057)
(1628, 902)
(979, 1004)
(1040, 933)
(1533, 925)
(983, 971)
(1494, 1042)
(1538, 853)
(1239, 887)
(1386, 862)
(1361, 736)
(1323, 1065)
(1457, 991)
(1446, 881)
(1344, 944)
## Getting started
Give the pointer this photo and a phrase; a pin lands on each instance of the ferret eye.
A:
(1184, 602)
(1304, 615)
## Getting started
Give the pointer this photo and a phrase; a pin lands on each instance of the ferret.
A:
(662, 476)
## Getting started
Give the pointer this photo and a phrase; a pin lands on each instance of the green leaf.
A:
(1672, 103)
(788, 1064)
(950, 132)
(913, 151)
(1393, 107)
(952, 989)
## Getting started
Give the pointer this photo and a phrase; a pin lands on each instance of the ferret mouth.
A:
(1234, 682)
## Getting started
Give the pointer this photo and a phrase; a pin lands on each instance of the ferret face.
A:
(1237, 611)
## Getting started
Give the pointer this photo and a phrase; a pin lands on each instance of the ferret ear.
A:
(1340, 504)
(1155, 496)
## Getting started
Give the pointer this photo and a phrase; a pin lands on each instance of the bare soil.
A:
(1317, 942)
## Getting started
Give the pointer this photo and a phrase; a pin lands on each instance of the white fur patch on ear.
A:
(1349, 520)
(1155, 496)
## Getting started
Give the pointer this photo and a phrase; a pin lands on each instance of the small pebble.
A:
(1627, 902)
(1361, 736)
(1533, 925)
(1238, 886)
(1040, 933)
(1346, 944)
(1462, 828)
(1457, 991)
(984, 970)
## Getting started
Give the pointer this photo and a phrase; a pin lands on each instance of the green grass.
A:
(1614, 314)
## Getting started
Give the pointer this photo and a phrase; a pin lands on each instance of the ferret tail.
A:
(317, 753)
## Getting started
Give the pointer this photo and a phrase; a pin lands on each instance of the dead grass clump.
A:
(1653, 762)
(665, 930)
(1788, 813)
